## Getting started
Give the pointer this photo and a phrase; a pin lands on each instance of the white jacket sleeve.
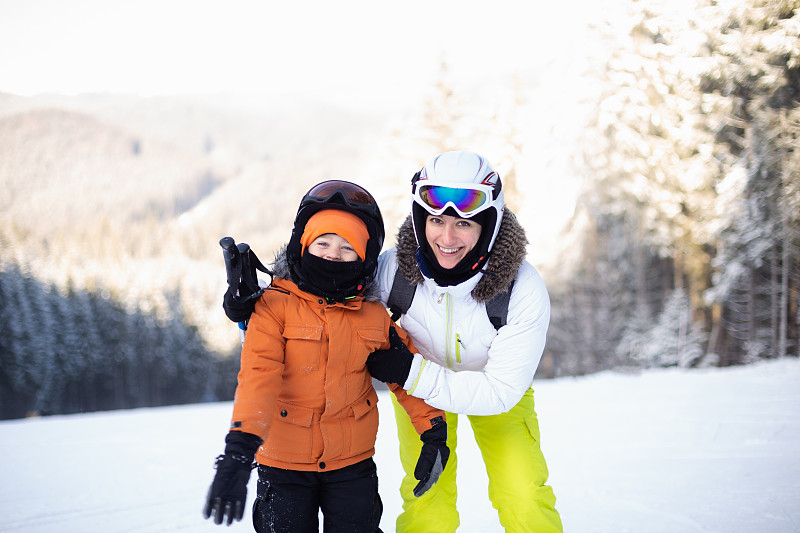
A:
(513, 357)
(387, 265)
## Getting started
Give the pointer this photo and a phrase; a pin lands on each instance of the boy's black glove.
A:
(228, 492)
(238, 308)
(243, 290)
(393, 364)
(432, 458)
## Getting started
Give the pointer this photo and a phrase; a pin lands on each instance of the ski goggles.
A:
(355, 196)
(466, 202)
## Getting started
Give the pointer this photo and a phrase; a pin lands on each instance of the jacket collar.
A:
(498, 273)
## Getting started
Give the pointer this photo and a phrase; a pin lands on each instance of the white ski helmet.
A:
(462, 184)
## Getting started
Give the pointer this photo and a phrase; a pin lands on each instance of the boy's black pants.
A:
(289, 501)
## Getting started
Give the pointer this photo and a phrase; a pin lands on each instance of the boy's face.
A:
(332, 247)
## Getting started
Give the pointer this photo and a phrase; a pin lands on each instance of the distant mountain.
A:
(98, 190)
(63, 172)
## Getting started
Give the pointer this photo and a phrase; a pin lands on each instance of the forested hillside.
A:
(111, 210)
(653, 162)
(132, 195)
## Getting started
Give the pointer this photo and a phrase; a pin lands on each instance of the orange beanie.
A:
(346, 225)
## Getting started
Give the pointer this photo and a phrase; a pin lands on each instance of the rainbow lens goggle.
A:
(466, 202)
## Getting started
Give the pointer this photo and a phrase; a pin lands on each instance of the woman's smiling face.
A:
(451, 238)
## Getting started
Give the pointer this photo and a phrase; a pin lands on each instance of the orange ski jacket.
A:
(304, 387)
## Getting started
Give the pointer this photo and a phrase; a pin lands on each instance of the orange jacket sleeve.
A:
(423, 416)
(261, 372)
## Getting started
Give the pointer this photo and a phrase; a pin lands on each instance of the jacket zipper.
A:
(449, 332)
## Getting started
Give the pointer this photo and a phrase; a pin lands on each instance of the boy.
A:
(305, 401)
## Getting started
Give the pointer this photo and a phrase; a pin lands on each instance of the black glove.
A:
(393, 364)
(432, 458)
(238, 308)
(243, 291)
(228, 492)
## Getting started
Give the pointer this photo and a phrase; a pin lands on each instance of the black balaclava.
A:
(334, 280)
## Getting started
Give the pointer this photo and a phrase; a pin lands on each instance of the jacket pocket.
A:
(303, 346)
(291, 438)
(372, 338)
(362, 423)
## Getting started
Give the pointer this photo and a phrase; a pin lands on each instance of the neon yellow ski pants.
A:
(509, 444)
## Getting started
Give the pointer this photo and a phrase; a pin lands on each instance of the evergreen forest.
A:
(690, 242)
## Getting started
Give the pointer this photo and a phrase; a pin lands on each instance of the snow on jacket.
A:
(304, 387)
(465, 365)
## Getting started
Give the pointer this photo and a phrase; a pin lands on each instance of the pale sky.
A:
(356, 48)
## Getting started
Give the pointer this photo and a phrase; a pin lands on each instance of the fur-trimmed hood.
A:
(505, 259)
(280, 269)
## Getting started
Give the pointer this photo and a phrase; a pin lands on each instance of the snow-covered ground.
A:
(667, 451)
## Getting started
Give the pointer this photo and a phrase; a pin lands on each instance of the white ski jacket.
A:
(465, 365)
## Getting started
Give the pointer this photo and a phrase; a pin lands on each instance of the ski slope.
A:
(664, 451)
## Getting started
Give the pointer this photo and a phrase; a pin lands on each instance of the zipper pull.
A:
(440, 298)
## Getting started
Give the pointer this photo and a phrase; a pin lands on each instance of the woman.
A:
(459, 248)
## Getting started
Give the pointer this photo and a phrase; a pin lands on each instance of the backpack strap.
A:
(400, 296)
(497, 307)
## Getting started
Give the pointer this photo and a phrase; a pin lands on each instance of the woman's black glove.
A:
(393, 364)
(228, 492)
(432, 458)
